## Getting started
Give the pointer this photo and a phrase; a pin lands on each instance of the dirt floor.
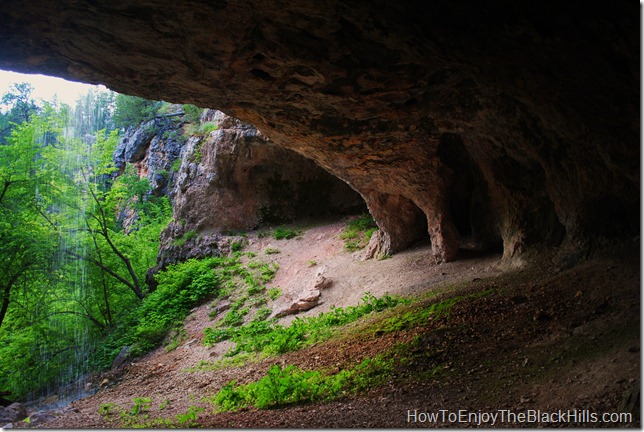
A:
(542, 347)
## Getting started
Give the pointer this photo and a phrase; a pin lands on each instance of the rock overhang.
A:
(515, 123)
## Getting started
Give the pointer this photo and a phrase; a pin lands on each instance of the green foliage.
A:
(107, 409)
(176, 165)
(236, 246)
(270, 338)
(78, 267)
(286, 233)
(274, 293)
(199, 130)
(262, 313)
(133, 110)
(291, 385)
(358, 232)
(138, 415)
(20, 108)
(189, 418)
(181, 287)
(208, 127)
(192, 113)
(140, 405)
(184, 238)
(417, 316)
(271, 251)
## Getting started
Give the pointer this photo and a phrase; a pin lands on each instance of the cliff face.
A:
(516, 123)
(234, 178)
(222, 175)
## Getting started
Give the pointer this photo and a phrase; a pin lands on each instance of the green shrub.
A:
(184, 238)
(208, 127)
(286, 233)
(358, 232)
(278, 387)
(192, 113)
(274, 293)
(292, 385)
(272, 339)
(262, 313)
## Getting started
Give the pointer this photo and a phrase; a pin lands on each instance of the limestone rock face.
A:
(512, 123)
(152, 147)
(233, 178)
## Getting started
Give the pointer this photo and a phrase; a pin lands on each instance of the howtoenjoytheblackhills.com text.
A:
(509, 417)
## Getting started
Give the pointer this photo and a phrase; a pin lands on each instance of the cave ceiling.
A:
(511, 123)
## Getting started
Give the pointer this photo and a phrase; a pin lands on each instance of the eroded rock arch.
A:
(542, 97)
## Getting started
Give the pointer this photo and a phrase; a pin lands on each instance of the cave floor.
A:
(521, 343)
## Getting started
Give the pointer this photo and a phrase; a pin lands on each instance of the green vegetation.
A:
(186, 237)
(358, 233)
(280, 233)
(270, 338)
(236, 246)
(78, 236)
(291, 385)
(274, 293)
(192, 113)
(138, 416)
(71, 266)
(271, 251)
(180, 288)
(133, 110)
(199, 129)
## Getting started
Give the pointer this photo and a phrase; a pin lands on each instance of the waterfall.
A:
(65, 361)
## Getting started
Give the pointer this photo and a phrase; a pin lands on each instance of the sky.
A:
(46, 87)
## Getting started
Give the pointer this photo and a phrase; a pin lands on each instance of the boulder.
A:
(40, 417)
(321, 281)
(13, 413)
(121, 357)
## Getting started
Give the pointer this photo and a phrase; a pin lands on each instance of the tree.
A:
(24, 177)
(133, 110)
(20, 108)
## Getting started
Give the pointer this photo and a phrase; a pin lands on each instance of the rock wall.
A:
(514, 122)
(234, 178)
(153, 148)
(224, 176)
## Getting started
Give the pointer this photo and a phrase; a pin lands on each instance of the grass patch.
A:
(292, 385)
(281, 233)
(274, 293)
(270, 338)
(138, 416)
(358, 232)
(184, 238)
(182, 287)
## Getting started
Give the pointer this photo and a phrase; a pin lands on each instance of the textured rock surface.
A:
(234, 178)
(153, 147)
(516, 123)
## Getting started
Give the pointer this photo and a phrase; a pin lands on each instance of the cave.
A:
(514, 124)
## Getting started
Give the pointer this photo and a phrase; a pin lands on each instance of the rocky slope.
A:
(516, 123)
(517, 340)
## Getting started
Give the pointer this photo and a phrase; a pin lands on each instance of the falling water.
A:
(69, 358)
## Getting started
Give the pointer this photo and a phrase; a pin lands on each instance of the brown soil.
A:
(541, 339)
